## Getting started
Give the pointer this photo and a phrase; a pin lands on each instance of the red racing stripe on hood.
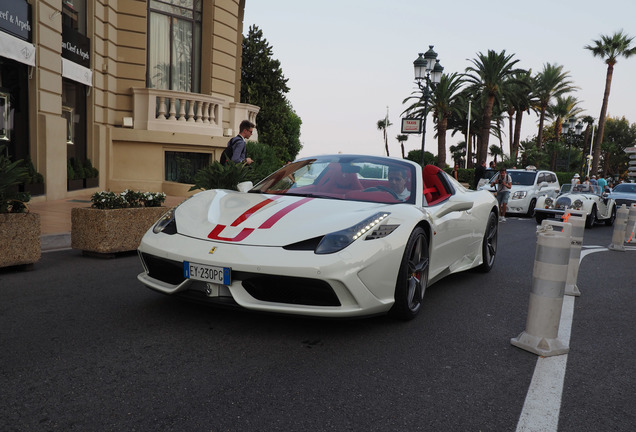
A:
(282, 212)
(249, 212)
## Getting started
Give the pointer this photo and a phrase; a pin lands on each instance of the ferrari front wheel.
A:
(412, 277)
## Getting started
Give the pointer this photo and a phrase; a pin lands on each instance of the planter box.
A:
(111, 231)
(19, 239)
(34, 188)
(91, 182)
(74, 184)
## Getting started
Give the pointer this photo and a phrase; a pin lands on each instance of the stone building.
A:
(144, 91)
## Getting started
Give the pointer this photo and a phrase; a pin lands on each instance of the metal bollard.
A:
(546, 296)
(631, 225)
(577, 219)
(620, 225)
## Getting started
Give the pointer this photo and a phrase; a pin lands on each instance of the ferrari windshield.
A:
(348, 177)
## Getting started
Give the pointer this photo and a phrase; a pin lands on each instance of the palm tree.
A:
(383, 125)
(562, 109)
(496, 151)
(446, 102)
(609, 48)
(487, 76)
(521, 97)
(401, 139)
(458, 152)
(549, 83)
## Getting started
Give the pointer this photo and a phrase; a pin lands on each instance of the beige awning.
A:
(78, 73)
(16, 49)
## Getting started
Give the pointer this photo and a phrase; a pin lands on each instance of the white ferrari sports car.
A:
(588, 198)
(328, 236)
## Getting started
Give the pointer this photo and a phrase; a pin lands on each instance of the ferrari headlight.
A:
(548, 202)
(577, 204)
(166, 223)
(336, 241)
(519, 194)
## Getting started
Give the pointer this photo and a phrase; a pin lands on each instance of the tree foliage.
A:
(264, 84)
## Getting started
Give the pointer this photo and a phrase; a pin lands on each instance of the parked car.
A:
(527, 186)
(624, 193)
(324, 236)
(488, 174)
(589, 198)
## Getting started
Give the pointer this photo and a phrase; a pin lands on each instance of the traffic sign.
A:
(630, 150)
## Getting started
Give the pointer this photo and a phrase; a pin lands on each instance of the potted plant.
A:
(19, 229)
(74, 175)
(34, 184)
(115, 222)
(91, 174)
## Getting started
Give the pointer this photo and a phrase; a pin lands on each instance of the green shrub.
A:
(12, 174)
(217, 176)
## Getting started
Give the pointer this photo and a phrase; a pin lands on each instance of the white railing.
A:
(166, 110)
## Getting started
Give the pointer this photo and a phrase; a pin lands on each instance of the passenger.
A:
(576, 180)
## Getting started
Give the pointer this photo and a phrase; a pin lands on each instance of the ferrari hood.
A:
(268, 220)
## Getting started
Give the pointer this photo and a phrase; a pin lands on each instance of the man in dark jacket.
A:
(479, 173)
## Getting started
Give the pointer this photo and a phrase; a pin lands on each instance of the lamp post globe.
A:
(428, 73)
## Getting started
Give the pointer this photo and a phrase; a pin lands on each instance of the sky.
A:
(349, 61)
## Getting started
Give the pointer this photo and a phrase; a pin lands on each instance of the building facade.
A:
(146, 92)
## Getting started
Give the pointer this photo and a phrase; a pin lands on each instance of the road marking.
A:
(542, 406)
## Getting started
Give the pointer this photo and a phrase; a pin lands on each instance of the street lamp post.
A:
(568, 128)
(428, 73)
(590, 157)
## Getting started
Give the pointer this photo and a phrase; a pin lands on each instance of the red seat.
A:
(434, 190)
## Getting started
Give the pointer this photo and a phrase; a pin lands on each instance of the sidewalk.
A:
(55, 219)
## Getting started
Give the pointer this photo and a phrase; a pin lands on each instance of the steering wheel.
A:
(382, 188)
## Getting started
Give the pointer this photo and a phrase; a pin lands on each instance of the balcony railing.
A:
(166, 110)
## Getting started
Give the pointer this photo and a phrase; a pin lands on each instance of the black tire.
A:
(489, 244)
(533, 203)
(590, 220)
(540, 218)
(412, 277)
(612, 218)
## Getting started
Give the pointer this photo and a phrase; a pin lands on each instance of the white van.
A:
(528, 185)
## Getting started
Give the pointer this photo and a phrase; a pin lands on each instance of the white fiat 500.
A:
(332, 236)
(588, 198)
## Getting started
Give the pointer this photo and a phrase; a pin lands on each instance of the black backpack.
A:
(228, 151)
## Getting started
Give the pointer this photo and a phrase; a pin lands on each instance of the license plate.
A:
(206, 273)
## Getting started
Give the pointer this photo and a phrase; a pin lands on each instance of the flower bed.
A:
(115, 222)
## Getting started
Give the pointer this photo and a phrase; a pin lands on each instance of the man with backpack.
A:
(236, 149)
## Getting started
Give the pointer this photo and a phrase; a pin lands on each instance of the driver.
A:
(397, 182)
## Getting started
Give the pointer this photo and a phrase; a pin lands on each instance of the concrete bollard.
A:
(548, 286)
(631, 225)
(620, 226)
(577, 219)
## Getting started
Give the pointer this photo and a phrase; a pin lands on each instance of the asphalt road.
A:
(87, 347)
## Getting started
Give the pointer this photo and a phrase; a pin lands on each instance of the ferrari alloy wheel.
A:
(412, 278)
(489, 244)
(590, 221)
(612, 218)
